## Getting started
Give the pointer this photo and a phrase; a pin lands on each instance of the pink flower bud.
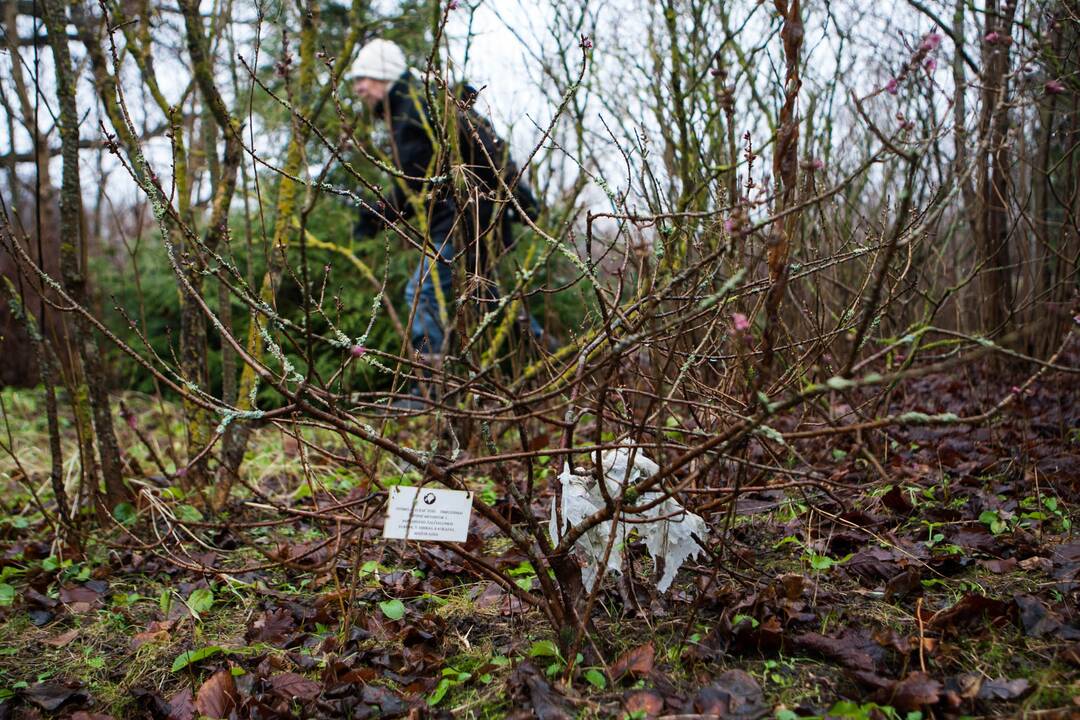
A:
(586, 42)
(740, 322)
(357, 351)
(992, 37)
(930, 42)
(893, 86)
(930, 65)
(1054, 87)
(452, 5)
(729, 226)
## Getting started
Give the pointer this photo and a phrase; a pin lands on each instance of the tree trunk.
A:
(73, 260)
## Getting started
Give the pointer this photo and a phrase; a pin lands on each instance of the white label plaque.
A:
(436, 514)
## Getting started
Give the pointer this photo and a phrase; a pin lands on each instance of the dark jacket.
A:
(412, 151)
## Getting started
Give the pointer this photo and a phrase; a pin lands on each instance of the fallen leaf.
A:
(51, 695)
(855, 649)
(1003, 689)
(734, 694)
(217, 697)
(1070, 654)
(638, 662)
(903, 584)
(63, 638)
(151, 703)
(915, 691)
(971, 610)
(273, 627)
(389, 703)
(873, 564)
(897, 501)
(648, 702)
(1035, 617)
(531, 687)
(1037, 564)
(1000, 567)
(79, 598)
(1066, 563)
(182, 706)
(307, 554)
(975, 538)
(293, 686)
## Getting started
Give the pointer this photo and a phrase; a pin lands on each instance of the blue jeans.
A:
(426, 330)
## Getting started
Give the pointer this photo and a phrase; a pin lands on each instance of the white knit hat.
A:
(379, 60)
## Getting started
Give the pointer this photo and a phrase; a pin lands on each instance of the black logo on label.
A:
(429, 498)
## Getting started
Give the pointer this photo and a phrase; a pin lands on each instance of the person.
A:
(476, 228)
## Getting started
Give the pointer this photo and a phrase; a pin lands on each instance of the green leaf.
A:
(124, 513)
(201, 600)
(525, 583)
(392, 609)
(188, 513)
(193, 656)
(739, 619)
(523, 568)
(595, 678)
(543, 648)
(165, 601)
(7, 594)
(439, 692)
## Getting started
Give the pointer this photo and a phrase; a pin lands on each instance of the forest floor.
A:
(939, 579)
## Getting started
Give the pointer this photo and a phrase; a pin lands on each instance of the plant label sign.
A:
(430, 514)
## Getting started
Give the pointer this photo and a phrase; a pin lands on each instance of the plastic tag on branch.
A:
(667, 528)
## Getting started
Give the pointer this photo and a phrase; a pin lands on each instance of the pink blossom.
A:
(452, 5)
(740, 322)
(930, 42)
(1015, 389)
(930, 65)
(729, 226)
(816, 164)
(1054, 87)
(992, 37)
(586, 42)
(357, 351)
(893, 86)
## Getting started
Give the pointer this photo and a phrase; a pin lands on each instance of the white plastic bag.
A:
(669, 536)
